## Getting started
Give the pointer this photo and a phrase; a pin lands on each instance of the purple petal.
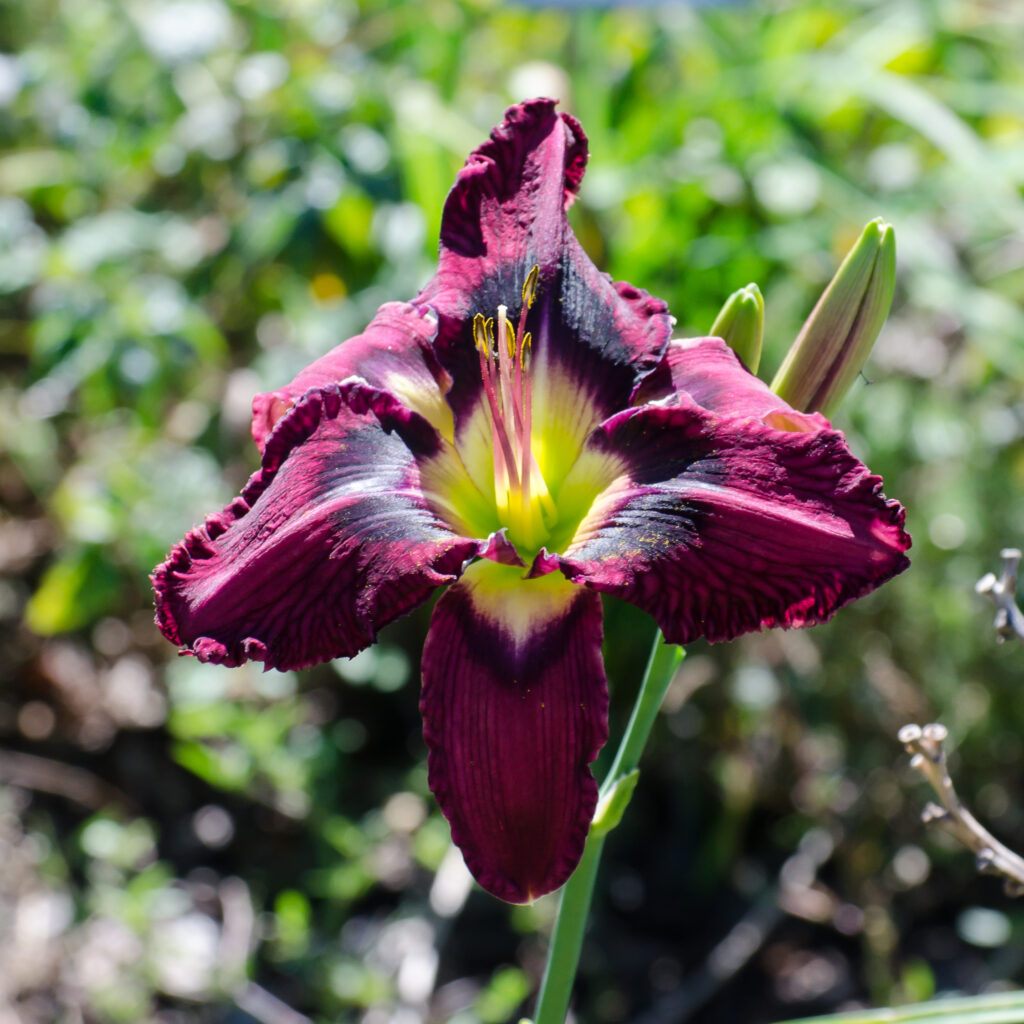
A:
(526, 174)
(713, 376)
(329, 541)
(507, 214)
(515, 707)
(394, 354)
(720, 526)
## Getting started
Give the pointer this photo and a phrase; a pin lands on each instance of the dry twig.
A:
(1009, 621)
(928, 756)
(795, 892)
(45, 775)
(237, 941)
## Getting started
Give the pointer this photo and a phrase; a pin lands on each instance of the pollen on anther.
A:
(480, 332)
(525, 350)
(530, 286)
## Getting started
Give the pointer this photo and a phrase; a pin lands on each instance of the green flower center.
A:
(520, 462)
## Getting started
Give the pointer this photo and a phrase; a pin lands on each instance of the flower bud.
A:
(741, 325)
(838, 336)
(613, 804)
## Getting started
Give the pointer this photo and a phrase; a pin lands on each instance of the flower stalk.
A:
(615, 793)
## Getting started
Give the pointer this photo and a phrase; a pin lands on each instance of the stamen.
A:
(520, 491)
(526, 393)
(506, 473)
(506, 354)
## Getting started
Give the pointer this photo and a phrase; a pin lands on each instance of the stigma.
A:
(521, 494)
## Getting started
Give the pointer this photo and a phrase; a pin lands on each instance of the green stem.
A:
(661, 667)
(574, 905)
(567, 938)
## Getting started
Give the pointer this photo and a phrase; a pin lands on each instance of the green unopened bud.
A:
(741, 325)
(837, 338)
(613, 804)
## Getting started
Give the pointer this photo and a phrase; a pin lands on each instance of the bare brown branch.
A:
(928, 756)
(44, 775)
(1002, 589)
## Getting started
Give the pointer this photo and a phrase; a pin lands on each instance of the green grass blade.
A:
(1001, 1008)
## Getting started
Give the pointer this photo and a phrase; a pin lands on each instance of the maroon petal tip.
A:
(394, 350)
(514, 710)
(330, 540)
(728, 526)
(495, 170)
(498, 548)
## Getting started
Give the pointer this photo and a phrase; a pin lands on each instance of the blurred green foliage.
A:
(197, 197)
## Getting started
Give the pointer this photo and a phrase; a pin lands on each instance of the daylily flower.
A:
(525, 433)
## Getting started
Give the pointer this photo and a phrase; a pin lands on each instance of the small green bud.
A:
(741, 325)
(837, 338)
(613, 804)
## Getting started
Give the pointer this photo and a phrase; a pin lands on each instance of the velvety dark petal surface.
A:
(506, 214)
(712, 375)
(515, 707)
(717, 526)
(330, 540)
(394, 354)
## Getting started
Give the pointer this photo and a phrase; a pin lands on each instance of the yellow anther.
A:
(524, 352)
(480, 332)
(530, 286)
